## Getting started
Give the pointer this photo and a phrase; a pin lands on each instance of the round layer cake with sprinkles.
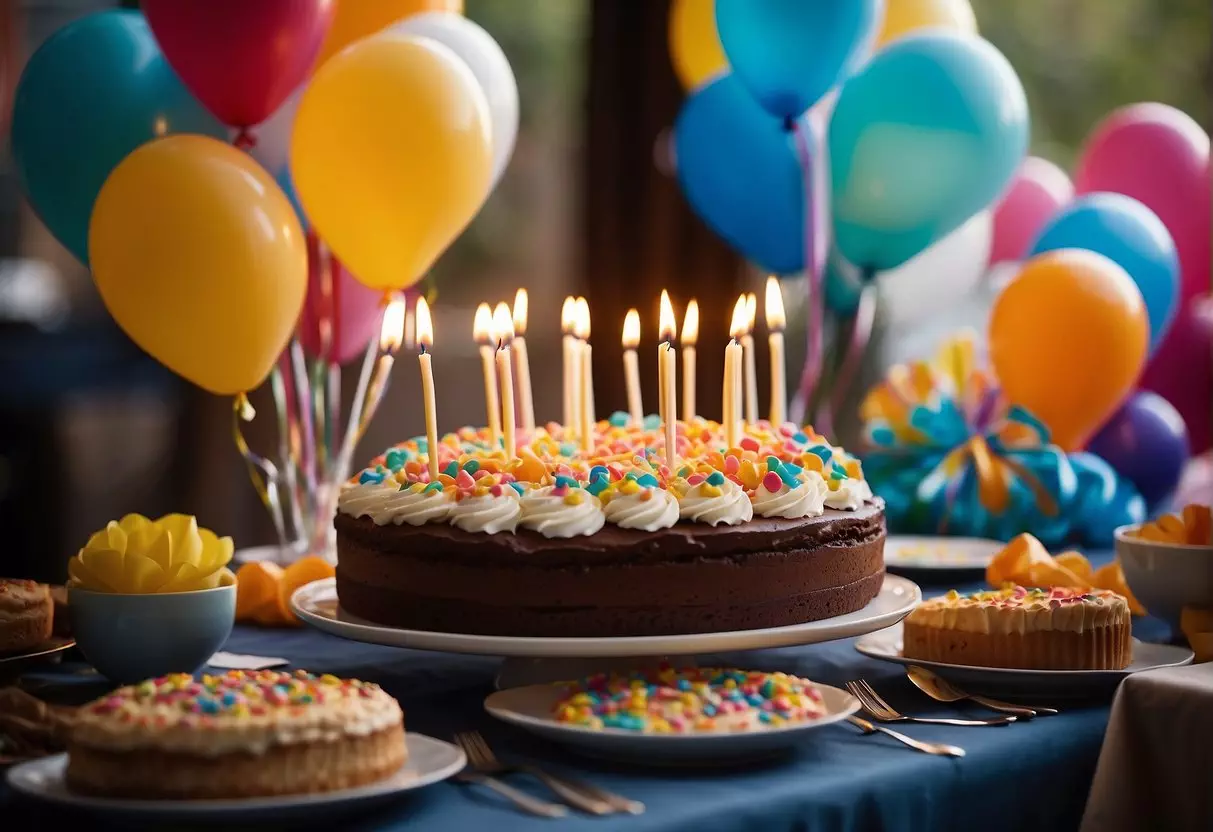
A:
(240, 734)
(605, 539)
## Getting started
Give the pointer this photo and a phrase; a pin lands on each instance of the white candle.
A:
(503, 328)
(776, 321)
(585, 376)
(572, 366)
(667, 373)
(425, 340)
(631, 366)
(733, 381)
(482, 331)
(690, 335)
(747, 348)
(526, 400)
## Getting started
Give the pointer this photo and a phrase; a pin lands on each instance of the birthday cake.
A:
(567, 542)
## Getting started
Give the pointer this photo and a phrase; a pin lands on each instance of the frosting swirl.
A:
(807, 499)
(726, 503)
(561, 511)
(487, 514)
(384, 503)
(649, 510)
(849, 494)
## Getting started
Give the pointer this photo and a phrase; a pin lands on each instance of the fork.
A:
(519, 798)
(583, 796)
(942, 690)
(939, 749)
(879, 709)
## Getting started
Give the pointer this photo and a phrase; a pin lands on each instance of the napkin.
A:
(240, 661)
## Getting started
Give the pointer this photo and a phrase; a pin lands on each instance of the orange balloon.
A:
(1068, 339)
(357, 19)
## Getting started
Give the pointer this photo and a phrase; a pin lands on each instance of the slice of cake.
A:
(1037, 629)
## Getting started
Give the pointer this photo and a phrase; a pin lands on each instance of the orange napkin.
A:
(263, 590)
(1025, 561)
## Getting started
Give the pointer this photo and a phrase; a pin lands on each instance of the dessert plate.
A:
(939, 553)
(430, 761)
(530, 708)
(886, 646)
(17, 662)
(316, 603)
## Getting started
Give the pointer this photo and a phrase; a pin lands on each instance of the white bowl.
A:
(1166, 577)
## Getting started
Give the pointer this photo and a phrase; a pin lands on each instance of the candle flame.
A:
(581, 317)
(391, 332)
(751, 311)
(503, 324)
(690, 324)
(568, 315)
(425, 326)
(521, 306)
(667, 323)
(482, 325)
(737, 325)
(773, 305)
(631, 330)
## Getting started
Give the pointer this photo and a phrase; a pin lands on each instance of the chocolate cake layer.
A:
(689, 578)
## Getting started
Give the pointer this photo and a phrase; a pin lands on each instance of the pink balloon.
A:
(1182, 370)
(1038, 190)
(1159, 156)
(355, 310)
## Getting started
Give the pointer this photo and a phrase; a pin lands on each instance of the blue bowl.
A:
(129, 638)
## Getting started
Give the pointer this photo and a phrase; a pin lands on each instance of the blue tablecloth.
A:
(1031, 775)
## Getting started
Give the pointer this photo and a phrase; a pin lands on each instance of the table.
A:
(1032, 775)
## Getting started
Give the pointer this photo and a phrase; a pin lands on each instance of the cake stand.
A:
(530, 660)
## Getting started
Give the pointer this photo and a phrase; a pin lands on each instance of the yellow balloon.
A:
(199, 257)
(694, 44)
(356, 19)
(901, 17)
(391, 155)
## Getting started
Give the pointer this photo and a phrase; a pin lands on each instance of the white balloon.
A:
(487, 62)
(273, 136)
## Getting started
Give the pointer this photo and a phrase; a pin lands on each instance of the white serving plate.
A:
(940, 553)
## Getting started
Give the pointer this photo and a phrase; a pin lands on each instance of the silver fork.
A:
(580, 795)
(883, 711)
(940, 689)
(519, 798)
(939, 749)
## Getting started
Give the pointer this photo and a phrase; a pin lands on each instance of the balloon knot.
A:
(245, 140)
(789, 124)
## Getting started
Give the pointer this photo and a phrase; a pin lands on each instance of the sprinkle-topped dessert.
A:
(706, 699)
(1046, 629)
(238, 734)
(604, 538)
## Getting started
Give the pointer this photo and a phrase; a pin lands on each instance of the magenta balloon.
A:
(1182, 370)
(356, 310)
(240, 58)
(1038, 190)
(1160, 157)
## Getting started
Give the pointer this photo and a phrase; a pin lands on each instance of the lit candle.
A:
(572, 365)
(667, 374)
(732, 376)
(747, 349)
(631, 366)
(425, 340)
(776, 321)
(482, 331)
(503, 328)
(585, 404)
(526, 401)
(690, 335)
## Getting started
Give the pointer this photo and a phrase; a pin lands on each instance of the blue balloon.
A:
(923, 137)
(1127, 232)
(738, 169)
(92, 93)
(789, 53)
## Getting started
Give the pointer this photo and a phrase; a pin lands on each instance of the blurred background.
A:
(91, 428)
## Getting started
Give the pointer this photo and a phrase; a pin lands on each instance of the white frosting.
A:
(850, 494)
(552, 516)
(487, 514)
(807, 499)
(731, 506)
(649, 510)
(385, 503)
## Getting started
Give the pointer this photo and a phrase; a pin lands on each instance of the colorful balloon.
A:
(272, 137)
(901, 17)
(790, 53)
(357, 19)
(200, 259)
(1159, 156)
(1067, 341)
(758, 206)
(1147, 443)
(926, 135)
(93, 92)
(488, 63)
(695, 48)
(1037, 192)
(392, 155)
(352, 311)
(1103, 502)
(1129, 233)
(1182, 370)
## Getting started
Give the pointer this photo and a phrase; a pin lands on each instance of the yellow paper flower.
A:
(138, 555)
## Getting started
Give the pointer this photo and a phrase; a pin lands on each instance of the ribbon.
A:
(262, 472)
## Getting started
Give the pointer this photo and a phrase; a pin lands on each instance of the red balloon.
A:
(241, 58)
(1181, 371)
(350, 311)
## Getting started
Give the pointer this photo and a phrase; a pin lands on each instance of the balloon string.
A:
(857, 346)
(284, 422)
(810, 375)
(262, 472)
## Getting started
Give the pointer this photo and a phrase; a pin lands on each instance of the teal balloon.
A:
(790, 53)
(926, 135)
(841, 285)
(93, 92)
